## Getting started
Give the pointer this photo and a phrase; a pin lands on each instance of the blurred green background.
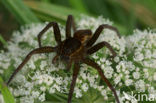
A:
(126, 14)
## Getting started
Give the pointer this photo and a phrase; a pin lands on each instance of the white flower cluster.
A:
(133, 69)
(142, 51)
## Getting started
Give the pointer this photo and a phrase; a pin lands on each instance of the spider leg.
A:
(56, 33)
(55, 59)
(75, 74)
(97, 67)
(35, 51)
(100, 45)
(70, 24)
(98, 32)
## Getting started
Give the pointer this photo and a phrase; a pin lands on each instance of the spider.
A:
(73, 50)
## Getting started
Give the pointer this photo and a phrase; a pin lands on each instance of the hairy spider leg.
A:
(56, 32)
(27, 58)
(74, 77)
(55, 59)
(97, 67)
(70, 24)
(98, 32)
(100, 45)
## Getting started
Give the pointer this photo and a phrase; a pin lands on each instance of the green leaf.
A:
(53, 12)
(122, 29)
(21, 12)
(48, 12)
(78, 5)
(8, 98)
(3, 41)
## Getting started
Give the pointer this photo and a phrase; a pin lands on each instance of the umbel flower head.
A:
(41, 81)
(142, 51)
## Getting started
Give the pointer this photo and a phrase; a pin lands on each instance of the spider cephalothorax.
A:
(73, 50)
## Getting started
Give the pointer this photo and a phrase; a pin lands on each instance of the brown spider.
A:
(74, 49)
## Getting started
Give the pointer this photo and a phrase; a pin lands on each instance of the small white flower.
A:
(35, 94)
(138, 56)
(140, 85)
(31, 64)
(136, 75)
(108, 71)
(51, 90)
(57, 87)
(59, 80)
(127, 72)
(100, 88)
(85, 87)
(42, 97)
(117, 79)
(43, 88)
(78, 93)
(116, 59)
(43, 64)
(128, 82)
(49, 80)
(20, 78)
(103, 92)
(148, 54)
